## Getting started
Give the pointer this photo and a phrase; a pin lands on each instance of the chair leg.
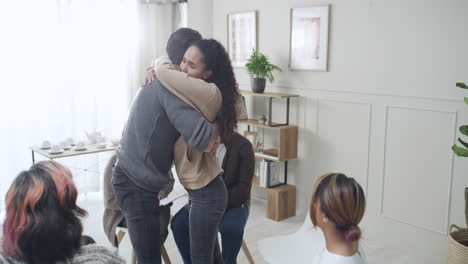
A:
(247, 252)
(133, 261)
(164, 255)
(120, 236)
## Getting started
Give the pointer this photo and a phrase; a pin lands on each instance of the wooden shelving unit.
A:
(272, 95)
(281, 198)
(287, 138)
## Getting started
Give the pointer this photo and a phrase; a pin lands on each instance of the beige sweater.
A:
(195, 169)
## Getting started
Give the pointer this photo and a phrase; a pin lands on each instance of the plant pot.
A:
(258, 85)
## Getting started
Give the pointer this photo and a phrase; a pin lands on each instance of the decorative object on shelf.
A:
(260, 69)
(270, 174)
(251, 136)
(242, 36)
(241, 108)
(309, 38)
(262, 118)
(259, 146)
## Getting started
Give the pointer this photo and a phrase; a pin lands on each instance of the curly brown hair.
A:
(217, 61)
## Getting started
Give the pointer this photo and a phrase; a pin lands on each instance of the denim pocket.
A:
(119, 178)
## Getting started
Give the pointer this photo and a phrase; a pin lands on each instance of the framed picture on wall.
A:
(309, 38)
(242, 36)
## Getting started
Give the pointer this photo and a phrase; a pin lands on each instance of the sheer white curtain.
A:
(66, 66)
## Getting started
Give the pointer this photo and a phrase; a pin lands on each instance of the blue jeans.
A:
(231, 228)
(141, 210)
(203, 214)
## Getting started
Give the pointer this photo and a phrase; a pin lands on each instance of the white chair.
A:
(293, 248)
(305, 244)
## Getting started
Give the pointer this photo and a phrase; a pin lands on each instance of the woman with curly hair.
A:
(206, 82)
(43, 223)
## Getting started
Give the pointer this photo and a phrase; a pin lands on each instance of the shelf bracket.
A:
(270, 122)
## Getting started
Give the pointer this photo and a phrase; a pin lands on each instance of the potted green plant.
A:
(463, 151)
(260, 68)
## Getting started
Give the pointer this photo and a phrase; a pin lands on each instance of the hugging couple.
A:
(181, 115)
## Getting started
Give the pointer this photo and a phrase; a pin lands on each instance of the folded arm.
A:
(203, 96)
(199, 134)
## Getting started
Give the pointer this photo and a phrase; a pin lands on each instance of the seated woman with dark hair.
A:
(43, 222)
(337, 207)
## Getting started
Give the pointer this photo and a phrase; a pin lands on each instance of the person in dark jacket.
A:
(238, 161)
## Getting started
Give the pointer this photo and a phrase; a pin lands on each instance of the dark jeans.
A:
(232, 232)
(206, 208)
(164, 217)
(141, 210)
(231, 228)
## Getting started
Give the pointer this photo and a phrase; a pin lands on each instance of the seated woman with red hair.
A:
(43, 224)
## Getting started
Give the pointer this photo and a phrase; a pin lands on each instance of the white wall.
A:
(200, 16)
(155, 28)
(386, 113)
(396, 47)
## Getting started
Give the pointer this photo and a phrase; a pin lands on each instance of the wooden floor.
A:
(258, 227)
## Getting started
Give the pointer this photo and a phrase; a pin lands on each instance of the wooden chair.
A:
(247, 252)
(121, 231)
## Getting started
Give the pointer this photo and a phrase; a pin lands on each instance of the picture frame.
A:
(308, 47)
(252, 137)
(242, 36)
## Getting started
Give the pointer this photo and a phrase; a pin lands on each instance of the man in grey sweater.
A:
(157, 119)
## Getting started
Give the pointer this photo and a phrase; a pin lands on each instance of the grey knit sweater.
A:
(87, 254)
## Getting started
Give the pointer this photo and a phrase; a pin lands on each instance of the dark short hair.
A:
(178, 43)
(42, 222)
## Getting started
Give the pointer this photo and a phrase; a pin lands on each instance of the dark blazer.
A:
(238, 165)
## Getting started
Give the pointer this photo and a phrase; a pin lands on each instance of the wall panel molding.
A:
(453, 116)
(368, 129)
